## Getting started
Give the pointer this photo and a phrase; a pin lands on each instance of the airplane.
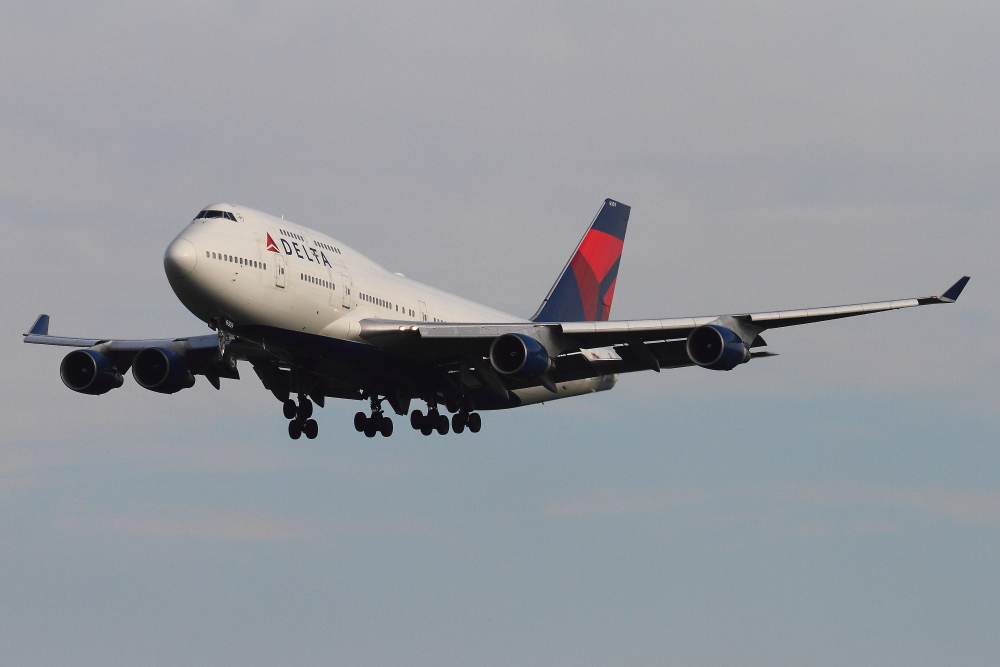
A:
(316, 319)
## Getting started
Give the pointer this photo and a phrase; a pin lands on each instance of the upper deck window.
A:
(216, 214)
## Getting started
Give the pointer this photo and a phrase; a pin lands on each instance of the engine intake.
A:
(717, 348)
(520, 356)
(89, 372)
(161, 370)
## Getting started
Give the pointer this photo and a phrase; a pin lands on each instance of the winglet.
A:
(40, 327)
(952, 294)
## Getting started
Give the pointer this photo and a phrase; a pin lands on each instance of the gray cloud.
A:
(792, 504)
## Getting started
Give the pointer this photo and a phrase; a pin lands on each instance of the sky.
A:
(836, 504)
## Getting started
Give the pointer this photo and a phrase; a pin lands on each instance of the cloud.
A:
(809, 509)
(969, 507)
(609, 502)
(401, 525)
(234, 524)
(25, 466)
(207, 524)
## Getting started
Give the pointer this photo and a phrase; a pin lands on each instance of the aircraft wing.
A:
(39, 334)
(201, 352)
(644, 340)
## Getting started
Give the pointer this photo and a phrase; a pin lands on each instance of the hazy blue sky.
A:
(838, 504)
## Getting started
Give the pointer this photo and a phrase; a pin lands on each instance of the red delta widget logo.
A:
(302, 252)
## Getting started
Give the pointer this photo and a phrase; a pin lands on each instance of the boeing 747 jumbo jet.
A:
(317, 320)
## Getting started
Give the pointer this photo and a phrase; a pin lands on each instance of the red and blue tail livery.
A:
(586, 286)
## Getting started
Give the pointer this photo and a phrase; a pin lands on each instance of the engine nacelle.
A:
(717, 348)
(161, 370)
(519, 355)
(89, 372)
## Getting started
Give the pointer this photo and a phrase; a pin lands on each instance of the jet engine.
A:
(161, 370)
(89, 372)
(519, 355)
(717, 348)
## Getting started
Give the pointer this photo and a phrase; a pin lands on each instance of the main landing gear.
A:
(376, 423)
(300, 416)
(435, 421)
(460, 420)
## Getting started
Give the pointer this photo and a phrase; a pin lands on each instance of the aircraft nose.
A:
(180, 258)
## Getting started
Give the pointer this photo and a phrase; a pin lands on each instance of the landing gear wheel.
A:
(305, 408)
(311, 429)
(452, 405)
(386, 427)
(295, 429)
(457, 423)
(416, 420)
(370, 429)
(360, 421)
(475, 422)
(442, 424)
(427, 427)
(289, 408)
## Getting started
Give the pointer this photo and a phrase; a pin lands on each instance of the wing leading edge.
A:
(39, 335)
(587, 335)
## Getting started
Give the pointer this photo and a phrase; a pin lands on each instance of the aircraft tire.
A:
(305, 408)
(360, 421)
(443, 424)
(452, 405)
(370, 431)
(386, 427)
(311, 429)
(475, 422)
(289, 408)
(426, 428)
(417, 420)
(295, 429)
(457, 423)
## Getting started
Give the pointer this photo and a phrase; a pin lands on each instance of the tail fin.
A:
(586, 285)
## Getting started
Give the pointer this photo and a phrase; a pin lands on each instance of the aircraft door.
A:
(423, 311)
(279, 270)
(347, 286)
(336, 284)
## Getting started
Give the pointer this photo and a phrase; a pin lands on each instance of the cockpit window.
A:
(216, 214)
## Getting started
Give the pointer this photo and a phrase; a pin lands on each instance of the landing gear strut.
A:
(376, 423)
(300, 416)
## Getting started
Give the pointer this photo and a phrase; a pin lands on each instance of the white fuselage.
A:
(223, 270)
